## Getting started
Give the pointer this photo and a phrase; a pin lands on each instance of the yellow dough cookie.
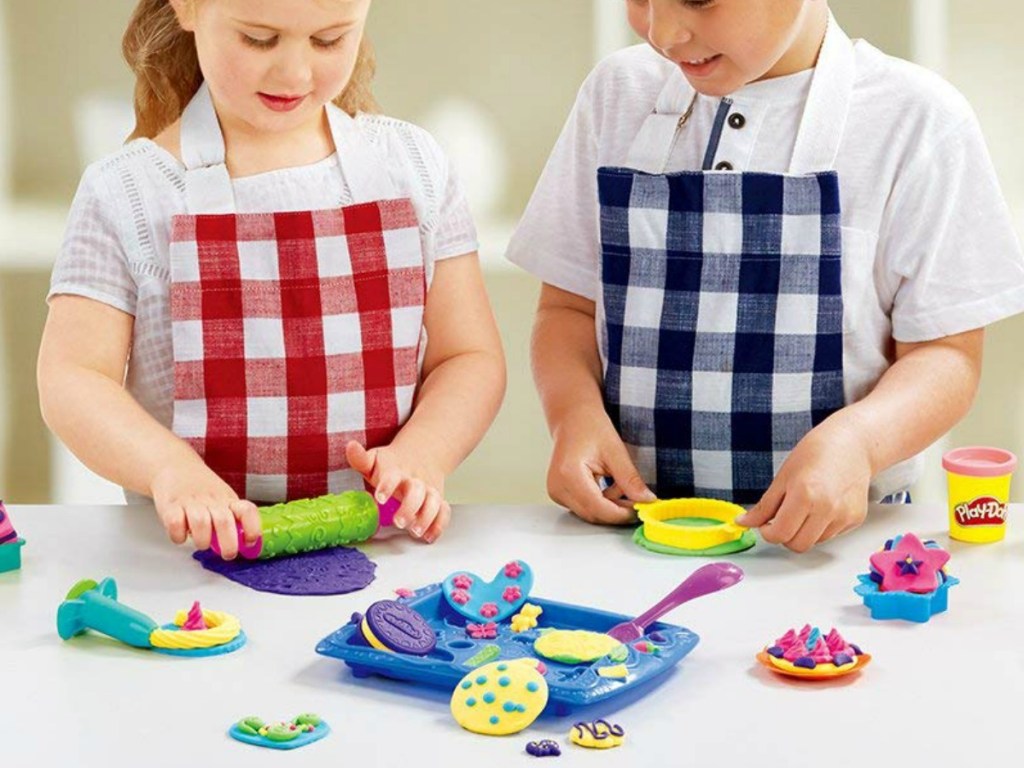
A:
(500, 698)
(599, 734)
(575, 646)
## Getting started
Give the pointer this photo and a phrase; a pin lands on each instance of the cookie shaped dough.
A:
(599, 734)
(500, 698)
(576, 646)
(393, 626)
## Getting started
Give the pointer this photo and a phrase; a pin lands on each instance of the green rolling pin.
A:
(306, 525)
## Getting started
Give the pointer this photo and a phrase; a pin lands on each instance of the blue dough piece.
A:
(299, 741)
(514, 574)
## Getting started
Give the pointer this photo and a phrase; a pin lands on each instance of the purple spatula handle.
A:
(705, 580)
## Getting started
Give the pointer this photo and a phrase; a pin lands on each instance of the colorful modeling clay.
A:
(599, 734)
(496, 600)
(194, 621)
(543, 748)
(89, 605)
(500, 698)
(701, 527)
(291, 734)
(10, 543)
(334, 571)
(486, 654)
(526, 618)
(645, 647)
(403, 593)
(575, 646)
(909, 566)
(487, 631)
(617, 671)
(907, 580)
(808, 654)
(392, 626)
(221, 629)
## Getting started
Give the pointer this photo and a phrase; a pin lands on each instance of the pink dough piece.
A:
(909, 566)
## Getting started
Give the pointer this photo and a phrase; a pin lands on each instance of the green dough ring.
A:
(743, 543)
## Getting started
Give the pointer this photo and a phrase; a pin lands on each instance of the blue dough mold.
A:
(909, 606)
(570, 686)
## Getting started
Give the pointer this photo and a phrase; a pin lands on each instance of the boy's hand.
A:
(420, 488)
(821, 490)
(192, 501)
(587, 447)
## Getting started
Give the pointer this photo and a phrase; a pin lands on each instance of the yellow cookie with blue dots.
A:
(500, 698)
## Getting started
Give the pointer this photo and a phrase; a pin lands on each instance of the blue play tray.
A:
(569, 685)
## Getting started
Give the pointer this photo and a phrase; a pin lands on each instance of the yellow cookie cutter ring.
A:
(656, 515)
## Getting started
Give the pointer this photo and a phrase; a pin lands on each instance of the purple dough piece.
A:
(400, 628)
(333, 571)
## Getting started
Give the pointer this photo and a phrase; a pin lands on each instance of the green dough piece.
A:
(311, 524)
(308, 719)
(619, 654)
(283, 732)
(486, 654)
(250, 725)
(744, 542)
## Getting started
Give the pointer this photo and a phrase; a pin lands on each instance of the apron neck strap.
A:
(208, 187)
(828, 104)
(821, 127)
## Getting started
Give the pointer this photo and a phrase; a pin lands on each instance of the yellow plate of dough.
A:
(656, 517)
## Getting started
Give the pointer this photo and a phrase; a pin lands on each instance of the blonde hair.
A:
(163, 57)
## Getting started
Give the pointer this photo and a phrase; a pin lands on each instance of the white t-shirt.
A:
(118, 234)
(928, 243)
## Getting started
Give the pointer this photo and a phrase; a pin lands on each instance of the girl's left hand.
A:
(821, 490)
(420, 488)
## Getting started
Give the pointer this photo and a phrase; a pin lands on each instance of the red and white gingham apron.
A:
(293, 332)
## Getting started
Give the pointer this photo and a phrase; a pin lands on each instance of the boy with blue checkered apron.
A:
(768, 255)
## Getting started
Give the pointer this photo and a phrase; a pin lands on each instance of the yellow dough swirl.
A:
(221, 628)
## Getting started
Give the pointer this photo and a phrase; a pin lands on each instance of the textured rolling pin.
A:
(306, 525)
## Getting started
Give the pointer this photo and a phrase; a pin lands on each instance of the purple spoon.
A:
(705, 580)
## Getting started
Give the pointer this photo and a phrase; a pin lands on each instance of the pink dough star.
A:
(511, 594)
(488, 610)
(513, 569)
(909, 566)
(462, 581)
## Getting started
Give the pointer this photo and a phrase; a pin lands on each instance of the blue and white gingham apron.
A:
(721, 313)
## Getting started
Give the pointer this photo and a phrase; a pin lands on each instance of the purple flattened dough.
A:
(333, 571)
(400, 628)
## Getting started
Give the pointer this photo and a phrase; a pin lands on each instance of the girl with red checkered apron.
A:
(268, 294)
(768, 255)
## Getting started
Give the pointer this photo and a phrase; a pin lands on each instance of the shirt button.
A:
(737, 121)
(723, 166)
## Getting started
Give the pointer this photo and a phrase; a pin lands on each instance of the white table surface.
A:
(943, 693)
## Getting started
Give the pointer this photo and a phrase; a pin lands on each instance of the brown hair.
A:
(163, 57)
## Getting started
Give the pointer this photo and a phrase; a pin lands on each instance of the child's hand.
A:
(820, 492)
(424, 512)
(193, 501)
(588, 447)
